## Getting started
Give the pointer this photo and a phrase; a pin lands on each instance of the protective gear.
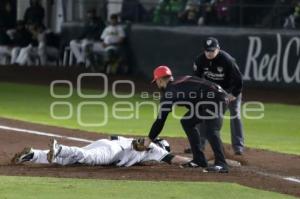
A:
(163, 144)
(161, 71)
(139, 144)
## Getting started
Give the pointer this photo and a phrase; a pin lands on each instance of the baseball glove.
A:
(139, 144)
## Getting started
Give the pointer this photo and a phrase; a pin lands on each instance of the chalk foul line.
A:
(43, 134)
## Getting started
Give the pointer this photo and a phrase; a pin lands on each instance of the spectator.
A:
(224, 11)
(132, 10)
(26, 51)
(208, 15)
(168, 11)
(191, 14)
(5, 45)
(190, 17)
(7, 18)
(293, 20)
(91, 34)
(48, 45)
(21, 38)
(112, 38)
(35, 13)
(93, 26)
(297, 15)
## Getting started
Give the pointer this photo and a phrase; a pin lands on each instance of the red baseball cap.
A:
(161, 71)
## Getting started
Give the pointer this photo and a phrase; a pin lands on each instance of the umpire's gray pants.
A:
(237, 135)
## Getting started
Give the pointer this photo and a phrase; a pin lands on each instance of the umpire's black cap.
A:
(211, 44)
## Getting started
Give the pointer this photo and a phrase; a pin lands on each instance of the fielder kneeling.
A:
(120, 151)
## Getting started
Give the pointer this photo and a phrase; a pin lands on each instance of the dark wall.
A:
(266, 58)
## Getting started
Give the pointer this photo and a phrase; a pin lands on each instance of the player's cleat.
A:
(216, 169)
(190, 164)
(54, 150)
(25, 155)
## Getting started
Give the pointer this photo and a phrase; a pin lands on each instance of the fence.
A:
(151, 12)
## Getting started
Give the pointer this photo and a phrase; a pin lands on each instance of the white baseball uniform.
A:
(112, 34)
(103, 152)
(5, 53)
(81, 48)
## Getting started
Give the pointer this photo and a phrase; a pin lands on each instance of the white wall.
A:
(22, 5)
(114, 7)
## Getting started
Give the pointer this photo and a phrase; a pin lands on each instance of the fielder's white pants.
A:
(14, 54)
(22, 56)
(40, 157)
(44, 52)
(81, 48)
(5, 52)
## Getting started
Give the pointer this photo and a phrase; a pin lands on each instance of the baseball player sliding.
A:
(119, 151)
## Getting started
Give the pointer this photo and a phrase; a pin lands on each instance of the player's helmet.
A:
(164, 144)
(161, 71)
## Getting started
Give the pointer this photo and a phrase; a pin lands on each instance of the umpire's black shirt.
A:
(222, 70)
(186, 91)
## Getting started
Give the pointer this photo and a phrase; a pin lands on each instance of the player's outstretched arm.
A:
(179, 160)
(176, 159)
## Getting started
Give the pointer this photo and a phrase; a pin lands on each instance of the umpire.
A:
(218, 66)
(204, 101)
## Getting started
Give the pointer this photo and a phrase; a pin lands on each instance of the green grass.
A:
(36, 187)
(277, 131)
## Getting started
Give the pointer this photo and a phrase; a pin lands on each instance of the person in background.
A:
(5, 45)
(7, 15)
(293, 20)
(89, 39)
(26, 53)
(133, 10)
(167, 12)
(47, 47)
(208, 13)
(191, 14)
(112, 39)
(218, 66)
(35, 13)
(224, 10)
(21, 39)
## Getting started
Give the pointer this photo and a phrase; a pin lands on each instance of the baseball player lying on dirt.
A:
(119, 151)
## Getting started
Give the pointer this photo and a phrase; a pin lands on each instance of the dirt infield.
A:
(262, 169)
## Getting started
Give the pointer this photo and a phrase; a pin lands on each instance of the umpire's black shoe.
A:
(217, 169)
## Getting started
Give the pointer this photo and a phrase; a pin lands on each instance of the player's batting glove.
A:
(139, 144)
